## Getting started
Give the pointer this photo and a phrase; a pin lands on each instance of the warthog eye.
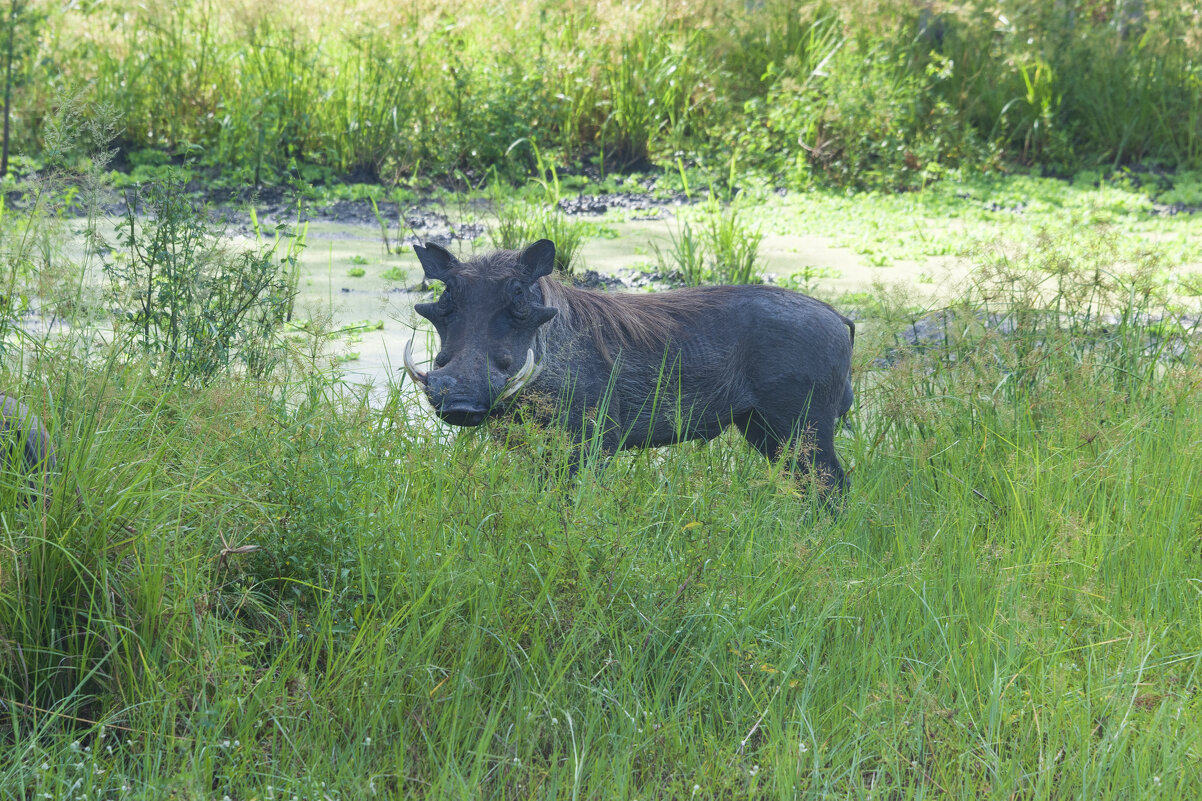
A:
(520, 307)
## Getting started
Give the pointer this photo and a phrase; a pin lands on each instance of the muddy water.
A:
(330, 289)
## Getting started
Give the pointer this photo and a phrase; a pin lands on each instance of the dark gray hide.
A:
(24, 439)
(636, 369)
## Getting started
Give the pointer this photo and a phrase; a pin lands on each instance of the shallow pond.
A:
(347, 275)
(355, 278)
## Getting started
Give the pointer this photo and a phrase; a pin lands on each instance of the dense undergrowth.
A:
(879, 92)
(281, 588)
(291, 586)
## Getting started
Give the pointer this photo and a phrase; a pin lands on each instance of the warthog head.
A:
(486, 318)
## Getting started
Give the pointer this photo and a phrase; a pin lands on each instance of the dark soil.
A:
(600, 204)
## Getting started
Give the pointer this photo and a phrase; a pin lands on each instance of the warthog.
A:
(25, 441)
(637, 369)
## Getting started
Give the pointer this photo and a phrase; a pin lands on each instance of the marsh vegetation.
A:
(257, 578)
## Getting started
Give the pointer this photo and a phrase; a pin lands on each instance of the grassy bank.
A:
(879, 93)
(1006, 604)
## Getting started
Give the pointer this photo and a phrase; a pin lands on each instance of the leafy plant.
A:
(687, 255)
(652, 94)
(190, 303)
(723, 248)
(520, 223)
(732, 243)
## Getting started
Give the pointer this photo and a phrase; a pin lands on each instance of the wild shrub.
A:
(188, 301)
(1062, 326)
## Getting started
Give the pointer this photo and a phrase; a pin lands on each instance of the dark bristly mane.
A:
(623, 319)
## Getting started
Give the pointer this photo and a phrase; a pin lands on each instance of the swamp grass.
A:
(873, 93)
(1006, 605)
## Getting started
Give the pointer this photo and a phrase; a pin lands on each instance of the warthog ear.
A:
(538, 259)
(437, 261)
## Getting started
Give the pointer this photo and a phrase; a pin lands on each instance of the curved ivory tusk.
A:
(521, 378)
(417, 375)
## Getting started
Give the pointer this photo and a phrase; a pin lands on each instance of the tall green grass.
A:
(880, 93)
(276, 588)
(722, 249)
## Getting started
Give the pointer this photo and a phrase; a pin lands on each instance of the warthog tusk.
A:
(417, 375)
(521, 378)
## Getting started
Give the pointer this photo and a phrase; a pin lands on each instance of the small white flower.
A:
(1156, 780)
(802, 747)
(696, 789)
(754, 770)
(554, 721)
(367, 741)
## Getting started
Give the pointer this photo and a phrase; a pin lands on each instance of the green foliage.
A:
(882, 94)
(806, 279)
(653, 89)
(521, 222)
(188, 301)
(687, 255)
(723, 249)
(361, 595)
